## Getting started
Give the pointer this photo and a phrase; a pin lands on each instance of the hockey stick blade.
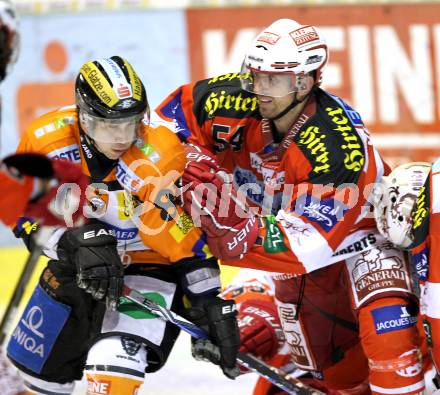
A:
(274, 375)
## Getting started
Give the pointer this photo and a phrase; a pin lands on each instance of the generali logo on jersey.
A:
(384, 62)
(378, 270)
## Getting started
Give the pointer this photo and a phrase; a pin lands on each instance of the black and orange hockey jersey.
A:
(136, 197)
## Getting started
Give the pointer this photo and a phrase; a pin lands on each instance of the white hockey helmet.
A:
(281, 55)
(394, 198)
(9, 37)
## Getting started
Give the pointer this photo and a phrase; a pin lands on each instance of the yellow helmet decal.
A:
(99, 84)
(134, 81)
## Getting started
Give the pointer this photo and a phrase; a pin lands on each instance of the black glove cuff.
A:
(89, 235)
(219, 309)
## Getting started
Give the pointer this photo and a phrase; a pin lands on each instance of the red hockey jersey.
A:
(425, 254)
(313, 183)
(16, 194)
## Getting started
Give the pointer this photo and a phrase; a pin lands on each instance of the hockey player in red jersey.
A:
(406, 212)
(304, 160)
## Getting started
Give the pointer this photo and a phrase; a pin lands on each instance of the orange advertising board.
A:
(384, 60)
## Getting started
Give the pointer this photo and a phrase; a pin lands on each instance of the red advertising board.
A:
(384, 60)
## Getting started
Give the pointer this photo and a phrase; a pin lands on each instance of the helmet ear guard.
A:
(394, 198)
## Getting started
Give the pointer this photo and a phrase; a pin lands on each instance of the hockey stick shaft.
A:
(270, 373)
(26, 274)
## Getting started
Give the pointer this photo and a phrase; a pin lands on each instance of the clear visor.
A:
(122, 131)
(271, 84)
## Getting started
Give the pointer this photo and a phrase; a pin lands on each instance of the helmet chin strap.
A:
(90, 140)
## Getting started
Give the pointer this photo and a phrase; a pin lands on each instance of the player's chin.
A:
(266, 112)
(115, 153)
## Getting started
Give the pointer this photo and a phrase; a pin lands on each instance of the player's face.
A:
(112, 150)
(114, 139)
(270, 107)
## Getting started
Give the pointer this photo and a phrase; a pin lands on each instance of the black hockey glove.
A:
(99, 270)
(218, 318)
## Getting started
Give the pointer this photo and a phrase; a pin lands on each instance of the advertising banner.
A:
(384, 60)
(53, 48)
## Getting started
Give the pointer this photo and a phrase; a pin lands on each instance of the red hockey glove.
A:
(213, 203)
(60, 189)
(261, 333)
(202, 156)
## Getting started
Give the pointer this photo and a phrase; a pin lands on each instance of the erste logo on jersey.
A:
(70, 153)
(127, 177)
(274, 238)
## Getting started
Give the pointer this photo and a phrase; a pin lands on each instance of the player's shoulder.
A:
(160, 138)
(52, 127)
(333, 141)
(223, 96)
(158, 152)
(336, 111)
